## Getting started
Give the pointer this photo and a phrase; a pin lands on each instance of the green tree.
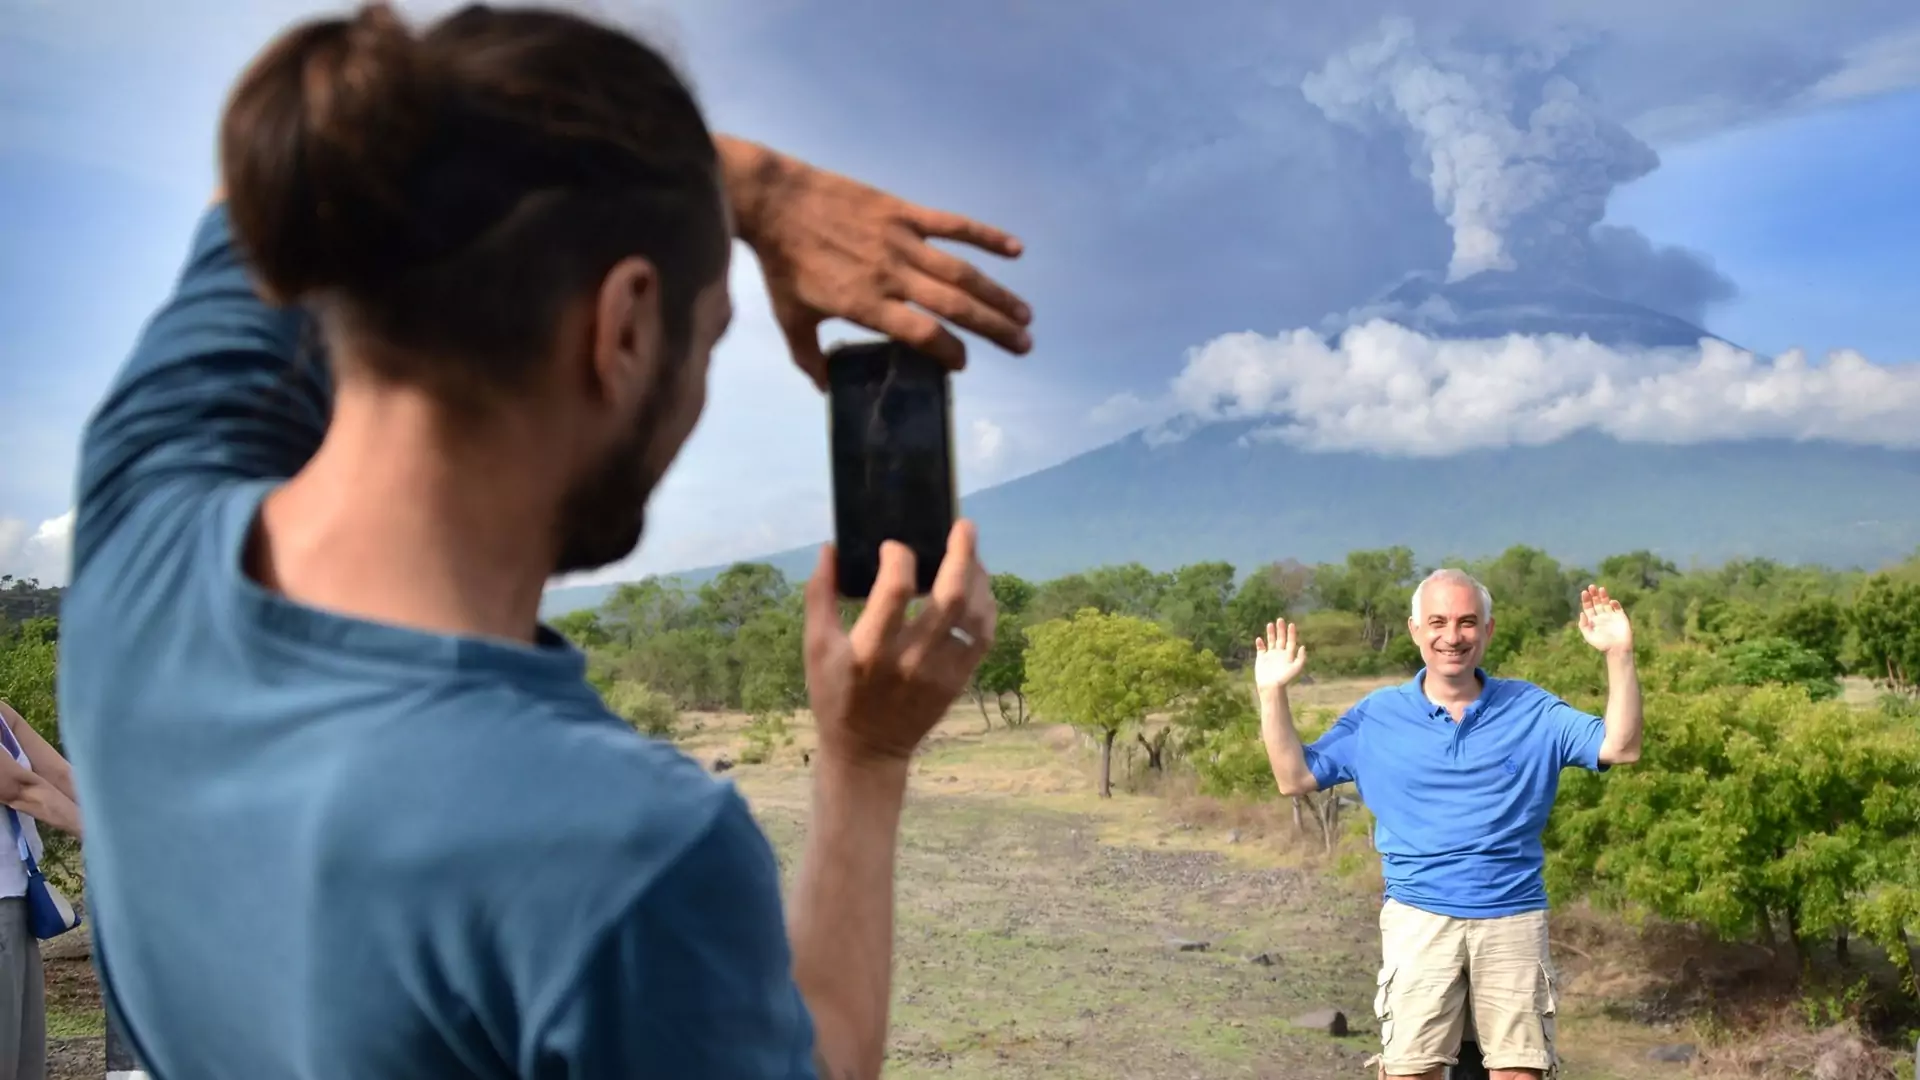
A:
(771, 647)
(1754, 811)
(1278, 590)
(1641, 571)
(1106, 673)
(1003, 672)
(1129, 589)
(1194, 606)
(647, 608)
(649, 712)
(583, 628)
(1061, 597)
(1532, 595)
(28, 657)
(1764, 660)
(1818, 625)
(1886, 624)
(1012, 593)
(739, 593)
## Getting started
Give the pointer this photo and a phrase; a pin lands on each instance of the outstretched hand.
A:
(1603, 622)
(1278, 657)
(833, 247)
(878, 689)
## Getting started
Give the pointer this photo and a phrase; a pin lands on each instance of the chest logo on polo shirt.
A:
(1512, 767)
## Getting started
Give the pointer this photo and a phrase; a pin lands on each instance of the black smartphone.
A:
(890, 428)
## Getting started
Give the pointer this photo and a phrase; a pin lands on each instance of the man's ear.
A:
(626, 331)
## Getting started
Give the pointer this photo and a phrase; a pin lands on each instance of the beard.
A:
(604, 514)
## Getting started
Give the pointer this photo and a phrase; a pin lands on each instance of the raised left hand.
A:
(832, 247)
(1603, 622)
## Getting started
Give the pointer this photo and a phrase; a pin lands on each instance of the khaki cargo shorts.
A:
(1436, 969)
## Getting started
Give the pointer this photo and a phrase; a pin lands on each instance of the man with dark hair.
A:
(352, 811)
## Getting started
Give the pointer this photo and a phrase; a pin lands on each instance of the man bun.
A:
(318, 147)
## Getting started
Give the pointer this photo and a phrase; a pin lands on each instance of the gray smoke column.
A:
(1520, 160)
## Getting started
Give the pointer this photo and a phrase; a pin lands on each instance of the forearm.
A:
(47, 762)
(1285, 754)
(47, 805)
(841, 924)
(1621, 745)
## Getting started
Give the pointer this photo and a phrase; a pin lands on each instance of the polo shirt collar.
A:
(1416, 688)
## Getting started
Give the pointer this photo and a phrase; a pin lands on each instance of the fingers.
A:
(893, 590)
(823, 598)
(951, 226)
(1009, 314)
(920, 330)
(969, 312)
(962, 592)
(1282, 637)
(803, 344)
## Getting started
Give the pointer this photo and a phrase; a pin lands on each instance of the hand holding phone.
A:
(890, 413)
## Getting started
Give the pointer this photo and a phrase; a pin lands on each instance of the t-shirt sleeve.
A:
(1331, 756)
(220, 386)
(696, 980)
(1579, 734)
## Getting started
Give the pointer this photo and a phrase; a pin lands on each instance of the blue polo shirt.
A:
(1460, 807)
(320, 847)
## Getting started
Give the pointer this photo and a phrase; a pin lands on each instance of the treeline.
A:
(720, 645)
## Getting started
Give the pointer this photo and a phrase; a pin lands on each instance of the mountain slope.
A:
(1223, 493)
(1218, 494)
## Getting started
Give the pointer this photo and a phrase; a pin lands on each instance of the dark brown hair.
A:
(441, 196)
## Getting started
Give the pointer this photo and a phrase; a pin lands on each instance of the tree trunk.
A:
(1106, 763)
(1154, 749)
(980, 699)
(1021, 700)
(1331, 832)
(1913, 964)
(1793, 939)
(1299, 825)
(1764, 924)
(1840, 951)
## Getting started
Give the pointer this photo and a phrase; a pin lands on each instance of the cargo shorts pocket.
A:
(1383, 1004)
(1547, 1003)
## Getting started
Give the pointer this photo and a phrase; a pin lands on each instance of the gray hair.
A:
(1448, 576)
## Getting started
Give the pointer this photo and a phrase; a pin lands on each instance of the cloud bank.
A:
(43, 552)
(1385, 389)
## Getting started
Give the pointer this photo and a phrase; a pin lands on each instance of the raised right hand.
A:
(1278, 657)
(877, 690)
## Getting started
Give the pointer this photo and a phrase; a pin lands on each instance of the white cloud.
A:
(1390, 390)
(988, 441)
(43, 552)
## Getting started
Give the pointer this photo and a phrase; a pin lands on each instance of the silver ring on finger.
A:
(960, 635)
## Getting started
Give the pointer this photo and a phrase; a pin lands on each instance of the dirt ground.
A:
(1046, 932)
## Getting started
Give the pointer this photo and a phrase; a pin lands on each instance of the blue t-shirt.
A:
(1459, 808)
(320, 847)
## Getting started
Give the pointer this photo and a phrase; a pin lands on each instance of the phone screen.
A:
(891, 434)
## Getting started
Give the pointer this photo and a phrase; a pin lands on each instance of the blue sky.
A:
(1173, 181)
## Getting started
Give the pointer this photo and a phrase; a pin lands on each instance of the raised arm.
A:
(220, 386)
(1279, 658)
(1604, 623)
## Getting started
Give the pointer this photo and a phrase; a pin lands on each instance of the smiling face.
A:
(1450, 627)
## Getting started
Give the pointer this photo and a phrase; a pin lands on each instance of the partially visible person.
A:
(353, 812)
(37, 787)
(1460, 771)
